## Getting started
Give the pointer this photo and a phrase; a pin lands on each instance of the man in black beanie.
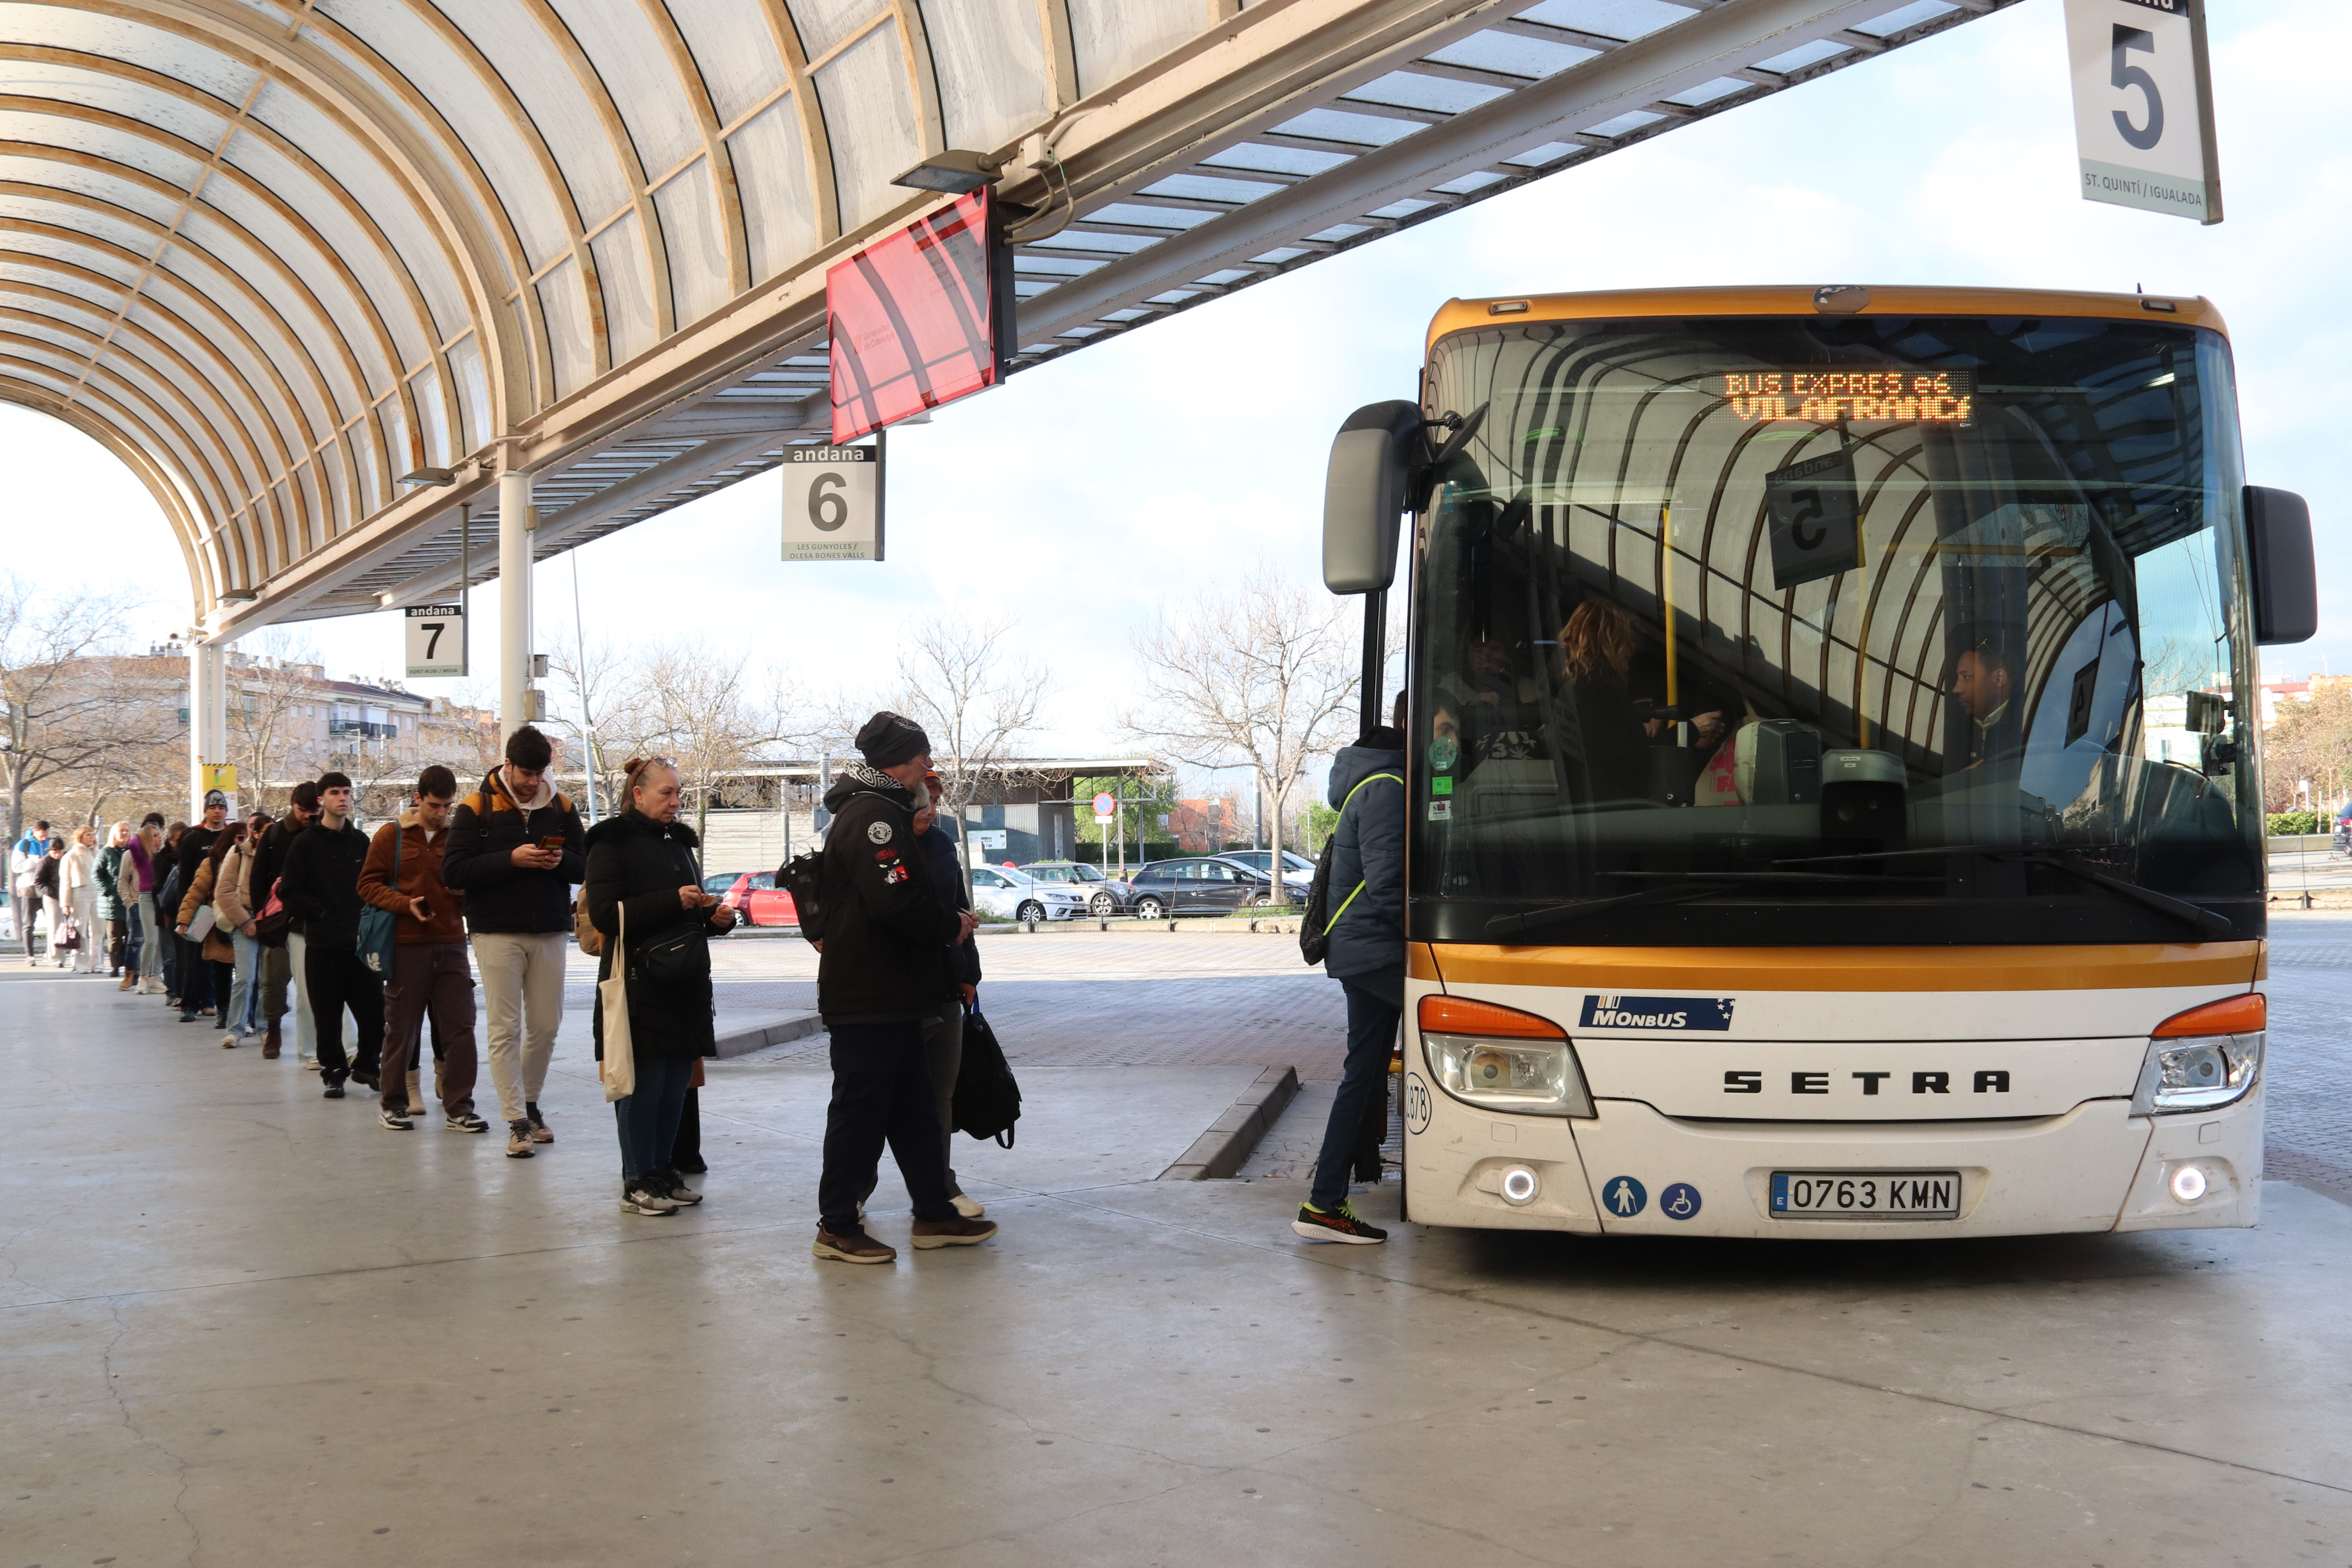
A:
(884, 968)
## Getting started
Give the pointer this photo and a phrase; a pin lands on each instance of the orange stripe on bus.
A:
(1724, 969)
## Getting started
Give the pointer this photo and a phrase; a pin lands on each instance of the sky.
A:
(1088, 497)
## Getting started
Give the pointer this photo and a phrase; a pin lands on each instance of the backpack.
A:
(803, 877)
(987, 1099)
(379, 927)
(1314, 925)
(1314, 933)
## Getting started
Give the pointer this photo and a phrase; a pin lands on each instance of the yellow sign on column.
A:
(220, 776)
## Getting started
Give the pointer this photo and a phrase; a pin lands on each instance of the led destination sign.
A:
(1826, 396)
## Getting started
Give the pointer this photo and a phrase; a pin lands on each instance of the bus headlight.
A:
(2197, 1074)
(1499, 1058)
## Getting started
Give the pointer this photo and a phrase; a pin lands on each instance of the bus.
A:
(1834, 760)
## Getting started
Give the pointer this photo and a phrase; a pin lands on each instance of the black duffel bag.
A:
(987, 1099)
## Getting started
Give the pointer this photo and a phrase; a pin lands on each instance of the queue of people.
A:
(244, 923)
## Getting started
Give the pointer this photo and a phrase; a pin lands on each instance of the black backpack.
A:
(803, 877)
(1313, 935)
(987, 1099)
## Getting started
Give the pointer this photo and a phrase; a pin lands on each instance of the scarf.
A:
(140, 858)
(874, 778)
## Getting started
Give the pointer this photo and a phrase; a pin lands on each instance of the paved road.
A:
(2310, 1065)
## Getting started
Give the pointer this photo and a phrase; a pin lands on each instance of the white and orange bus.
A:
(1833, 766)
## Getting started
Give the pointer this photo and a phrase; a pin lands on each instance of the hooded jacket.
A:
(886, 934)
(638, 864)
(1367, 923)
(110, 882)
(487, 829)
(420, 878)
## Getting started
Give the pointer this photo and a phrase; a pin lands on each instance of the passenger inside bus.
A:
(1980, 683)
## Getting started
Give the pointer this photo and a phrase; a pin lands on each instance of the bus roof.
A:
(1796, 299)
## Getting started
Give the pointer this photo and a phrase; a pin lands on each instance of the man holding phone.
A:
(428, 969)
(516, 850)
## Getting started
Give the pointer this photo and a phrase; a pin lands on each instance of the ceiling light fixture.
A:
(956, 171)
(427, 477)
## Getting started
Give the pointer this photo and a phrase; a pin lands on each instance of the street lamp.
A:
(427, 477)
(955, 172)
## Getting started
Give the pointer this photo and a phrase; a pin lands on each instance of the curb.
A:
(1218, 1153)
(775, 1032)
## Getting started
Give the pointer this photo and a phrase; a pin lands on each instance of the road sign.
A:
(2144, 105)
(1105, 804)
(436, 639)
(833, 503)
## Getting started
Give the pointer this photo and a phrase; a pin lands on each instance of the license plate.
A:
(1866, 1194)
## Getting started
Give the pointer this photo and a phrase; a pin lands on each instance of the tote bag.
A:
(620, 1067)
(379, 928)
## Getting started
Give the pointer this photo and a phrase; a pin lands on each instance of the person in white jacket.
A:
(81, 901)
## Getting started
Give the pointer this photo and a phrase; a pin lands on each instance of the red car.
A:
(757, 900)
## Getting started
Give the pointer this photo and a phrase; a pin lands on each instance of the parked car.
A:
(757, 900)
(1105, 895)
(1010, 894)
(1297, 870)
(1199, 884)
(719, 884)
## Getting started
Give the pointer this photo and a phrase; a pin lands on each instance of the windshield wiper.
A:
(2196, 915)
(1676, 886)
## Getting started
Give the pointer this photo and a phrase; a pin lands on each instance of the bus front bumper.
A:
(2095, 1168)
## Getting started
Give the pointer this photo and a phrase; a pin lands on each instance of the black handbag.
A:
(680, 955)
(987, 1099)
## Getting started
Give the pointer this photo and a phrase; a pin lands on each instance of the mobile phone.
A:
(426, 905)
(553, 841)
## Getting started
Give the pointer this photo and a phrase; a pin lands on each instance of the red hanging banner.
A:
(919, 319)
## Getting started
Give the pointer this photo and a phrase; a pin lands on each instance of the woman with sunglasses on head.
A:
(644, 893)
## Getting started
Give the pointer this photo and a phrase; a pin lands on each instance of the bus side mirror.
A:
(2286, 580)
(1365, 492)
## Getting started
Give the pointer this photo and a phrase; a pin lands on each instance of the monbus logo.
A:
(1658, 1013)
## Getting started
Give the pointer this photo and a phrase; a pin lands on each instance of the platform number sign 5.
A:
(2144, 105)
(435, 639)
(833, 503)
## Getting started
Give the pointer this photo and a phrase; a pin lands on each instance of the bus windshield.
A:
(1860, 629)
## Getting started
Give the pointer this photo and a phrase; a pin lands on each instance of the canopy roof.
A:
(274, 254)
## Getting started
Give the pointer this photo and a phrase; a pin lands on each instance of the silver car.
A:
(1105, 895)
(1014, 895)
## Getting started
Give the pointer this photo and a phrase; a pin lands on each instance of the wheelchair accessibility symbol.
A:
(1679, 1200)
(1622, 1197)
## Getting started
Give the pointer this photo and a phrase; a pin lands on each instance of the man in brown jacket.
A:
(429, 969)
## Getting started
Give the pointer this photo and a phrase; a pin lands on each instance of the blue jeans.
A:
(648, 1119)
(1373, 1021)
(243, 1014)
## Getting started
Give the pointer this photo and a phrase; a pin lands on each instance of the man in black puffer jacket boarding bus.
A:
(884, 969)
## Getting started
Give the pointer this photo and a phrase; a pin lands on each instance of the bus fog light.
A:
(1520, 1187)
(2197, 1074)
(2188, 1184)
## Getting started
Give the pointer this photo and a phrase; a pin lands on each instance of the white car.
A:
(1013, 895)
(1105, 895)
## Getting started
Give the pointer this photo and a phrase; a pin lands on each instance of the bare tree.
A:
(65, 710)
(1267, 676)
(958, 683)
(600, 681)
(689, 702)
(266, 697)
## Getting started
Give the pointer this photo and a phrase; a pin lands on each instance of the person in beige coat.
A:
(81, 902)
(233, 906)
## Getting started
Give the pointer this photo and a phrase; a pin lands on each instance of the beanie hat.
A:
(889, 739)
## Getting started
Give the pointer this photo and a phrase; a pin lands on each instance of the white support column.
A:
(207, 715)
(514, 602)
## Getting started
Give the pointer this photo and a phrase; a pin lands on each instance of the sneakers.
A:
(518, 1140)
(1336, 1224)
(957, 1232)
(539, 1132)
(393, 1121)
(230, 1042)
(465, 1121)
(334, 1090)
(967, 1208)
(859, 1248)
(641, 1196)
(674, 1187)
